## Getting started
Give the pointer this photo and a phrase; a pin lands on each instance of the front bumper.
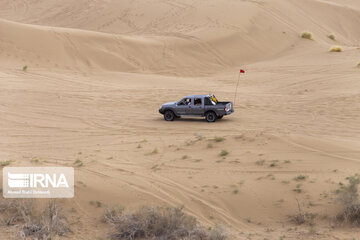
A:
(161, 111)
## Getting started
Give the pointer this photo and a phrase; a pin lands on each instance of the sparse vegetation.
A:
(301, 217)
(78, 163)
(155, 151)
(185, 157)
(335, 49)
(25, 68)
(5, 163)
(273, 164)
(306, 35)
(156, 167)
(158, 223)
(219, 139)
(332, 37)
(298, 188)
(35, 160)
(223, 153)
(47, 224)
(358, 65)
(348, 196)
(210, 144)
(300, 177)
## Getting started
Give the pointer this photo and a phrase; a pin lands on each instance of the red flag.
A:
(242, 71)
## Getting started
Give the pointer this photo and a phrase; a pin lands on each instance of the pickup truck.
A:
(197, 106)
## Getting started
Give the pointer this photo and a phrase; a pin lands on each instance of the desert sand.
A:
(98, 70)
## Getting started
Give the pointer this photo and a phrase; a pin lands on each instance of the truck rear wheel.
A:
(169, 115)
(210, 117)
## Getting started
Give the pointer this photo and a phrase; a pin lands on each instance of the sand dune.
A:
(99, 70)
(180, 42)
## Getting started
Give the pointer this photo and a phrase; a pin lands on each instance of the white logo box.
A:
(38, 182)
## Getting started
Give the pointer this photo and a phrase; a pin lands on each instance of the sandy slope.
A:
(99, 70)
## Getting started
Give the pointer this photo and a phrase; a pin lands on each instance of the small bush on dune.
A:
(50, 223)
(219, 139)
(25, 68)
(335, 49)
(158, 223)
(5, 163)
(358, 65)
(302, 217)
(155, 151)
(332, 37)
(306, 35)
(223, 153)
(348, 196)
(13, 212)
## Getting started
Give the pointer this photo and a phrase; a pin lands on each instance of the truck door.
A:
(183, 106)
(197, 107)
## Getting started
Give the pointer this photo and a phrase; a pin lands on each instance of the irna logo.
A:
(38, 182)
(34, 180)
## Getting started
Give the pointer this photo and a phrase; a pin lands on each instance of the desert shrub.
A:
(302, 217)
(358, 65)
(335, 49)
(223, 153)
(300, 177)
(78, 163)
(25, 68)
(348, 196)
(49, 223)
(219, 139)
(13, 212)
(332, 37)
(306, 35)
(155, 151)
(158, 223)
(5, 163)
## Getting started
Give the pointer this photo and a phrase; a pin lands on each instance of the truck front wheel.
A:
(210, 117)
(169, 115)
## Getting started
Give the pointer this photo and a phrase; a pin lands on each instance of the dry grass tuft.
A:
(158, 223)
(51, 222)
(332, 37)
(155, 151)
(335, 49)
(219, 139)
(223, 153)
(5, 163)
(302, 217)
(358, 65)
(307, 35)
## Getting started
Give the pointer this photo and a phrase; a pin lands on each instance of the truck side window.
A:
(197, 101)
(207, 101)
(184, 102)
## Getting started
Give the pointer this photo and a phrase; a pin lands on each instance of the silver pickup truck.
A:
(197, 106)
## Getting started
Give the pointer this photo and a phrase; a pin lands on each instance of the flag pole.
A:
(237, 84)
